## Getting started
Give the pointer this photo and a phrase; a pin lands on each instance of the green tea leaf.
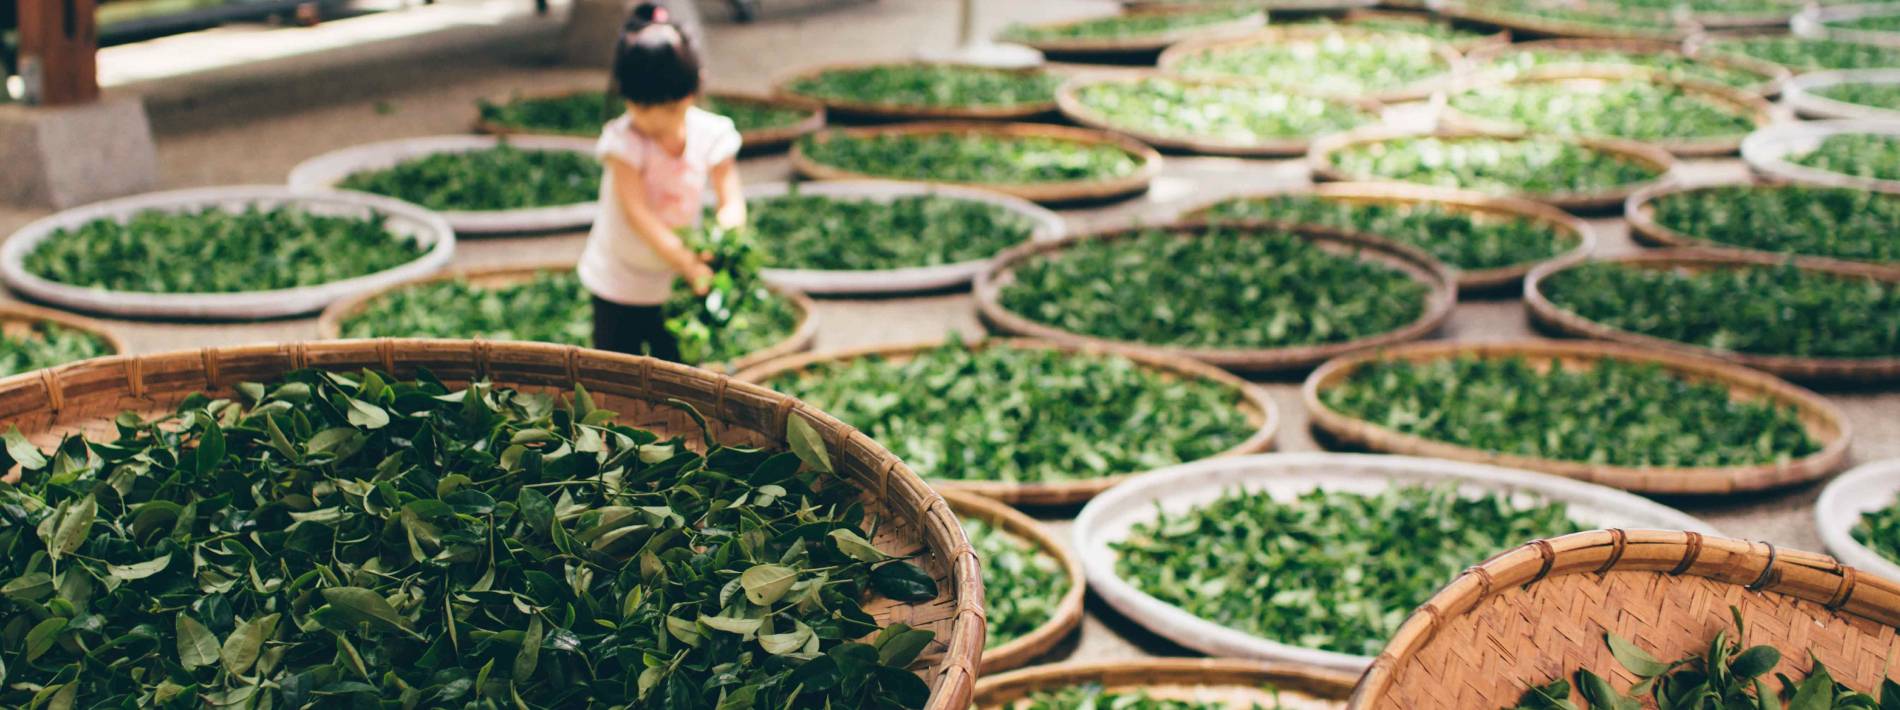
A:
(196, 645)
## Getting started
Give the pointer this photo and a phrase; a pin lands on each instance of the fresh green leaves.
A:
(38, 344)
(1879, 530)
(1077, 697)
(1764, 310)
(1127, 26)
(1806, 55)
(750, 114)
(806, 231)
(1462, 237)
(583, 113)
(739, 315)
(1022, 584)
(1834, 222)
(500, 178)
(1876, 95)
(1217, 288)
(969, 157)
(1599, 19)
(1352, 64)
(1632, 109)
(1044, 415)
(215, 251)
(1863, 155)
(1327, 570)
(478, 547)
(1500, 166)
(929, 85)
(1241, 114)
(1609, 412)
(1672, 65)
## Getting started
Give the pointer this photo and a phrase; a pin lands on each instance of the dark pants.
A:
(635, 330)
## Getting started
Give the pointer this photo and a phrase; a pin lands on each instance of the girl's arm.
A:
(631, 188)
(725, 179)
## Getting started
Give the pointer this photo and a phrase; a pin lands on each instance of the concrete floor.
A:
(255, 135)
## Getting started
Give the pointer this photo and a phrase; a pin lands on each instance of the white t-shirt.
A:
(617, 264)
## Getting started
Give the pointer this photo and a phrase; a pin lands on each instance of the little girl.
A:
(658, 158)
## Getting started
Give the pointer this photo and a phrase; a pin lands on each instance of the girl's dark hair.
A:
(654, 66)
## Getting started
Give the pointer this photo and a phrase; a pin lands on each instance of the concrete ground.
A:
(256, 132)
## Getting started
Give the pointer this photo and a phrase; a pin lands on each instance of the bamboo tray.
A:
(1226, 681)
(1756, 109)
(330, 324)
(1640, 212)
(1289, 7)
(1259, 407)
(1867, 488)
(428, 229)
(1454, 62)
(1319, 160)
(1469, 281)
(1174, 490)
(1048, 225)
(1816, 22)
(18, 319)
(1824, 421)
(756, 140)
(86, 396)
(1551, 316)
(1767, 152)
(322, 173)
(1040, 192)
(1699, 45)
(1803, 96)
(1773, 75)
(1523, 26)
(1135, 44)
(1068, 98)
(1025, 649)
(783, 88)
(1420, 267)
(1540, 612)
(1500, 38)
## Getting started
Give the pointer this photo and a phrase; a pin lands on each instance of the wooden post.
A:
(59, 41)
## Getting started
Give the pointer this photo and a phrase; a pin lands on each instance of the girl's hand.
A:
(700, 277)
(731, 215)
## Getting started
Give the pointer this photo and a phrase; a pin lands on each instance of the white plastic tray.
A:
(1109, 517)
(1767, 151)
(1867, 488)
(403, 219)
(1799, 94)
(325, 171)
(1815, 23)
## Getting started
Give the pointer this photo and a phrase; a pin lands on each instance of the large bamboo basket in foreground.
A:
(1540, 612)
(1025, 649)
(1148, 159)
(912, 519)
(1825, 422)
(1251, 399)
(1231, 682)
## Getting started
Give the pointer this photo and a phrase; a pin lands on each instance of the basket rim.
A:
(782, 88)
(1453, 60)
(1064, 492)
(1069, 101)
(1230, 671)
(1762, 566)
(1803, 98)
(1068, 614)
(1774, 76)
(322, 172)
(1549, 314)
(1418, 266)
(28, 313)
(1640, 212)
(1039, 192)
(1469, 280)
(330, 322)
(1319, 161)
(212, 368)
(1727, 480)
(1755, 109)
(1137, 44)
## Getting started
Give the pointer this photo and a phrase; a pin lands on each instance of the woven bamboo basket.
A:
(330, 324)
(1825, 422)
(1772, 75)
(1229, 682)
(1069, 99)
(1320, 161)
(1524, 26)
(1499, 38)
(1253, 400)
(879, 110)
(1556, 318)
(18, 319)
(1582, 79)
(1415, 264)
(1540, 612)
(1025, 649)
(1469, 281)
(1042, 192)
(1640, 212)
(1454, 62)
(760, 139)
(912, 519)
(1134, 44)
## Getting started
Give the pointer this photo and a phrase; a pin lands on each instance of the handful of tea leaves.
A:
(739, 314)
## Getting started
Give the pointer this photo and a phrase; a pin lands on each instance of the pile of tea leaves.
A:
(1022, 584)
(45, 344)
(490, 179)
(975, 157)
(1465, 238)
(1833, 222)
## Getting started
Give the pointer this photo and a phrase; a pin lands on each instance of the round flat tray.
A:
(1825, 422)
(1139, 44)
(1767, 151)
(1773, 75)
(1415, 264)
(1500, 38)
(1041, 192)
(1816, 22)
(1255, 402)
(1478, 280)
(1454, 62)
(1024, 649)
(1230, 682)
(1528, 26)
(1109, 518)
(22, 317)
(1800, 95)
(1271, 6)
(490, 128)
(1072, 107)
(1319, 160)
(1759, 112)
(1866, 488)
(1640, 212)
(782, 88)
(323, 172)
(1049, 225)
(404, 219)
